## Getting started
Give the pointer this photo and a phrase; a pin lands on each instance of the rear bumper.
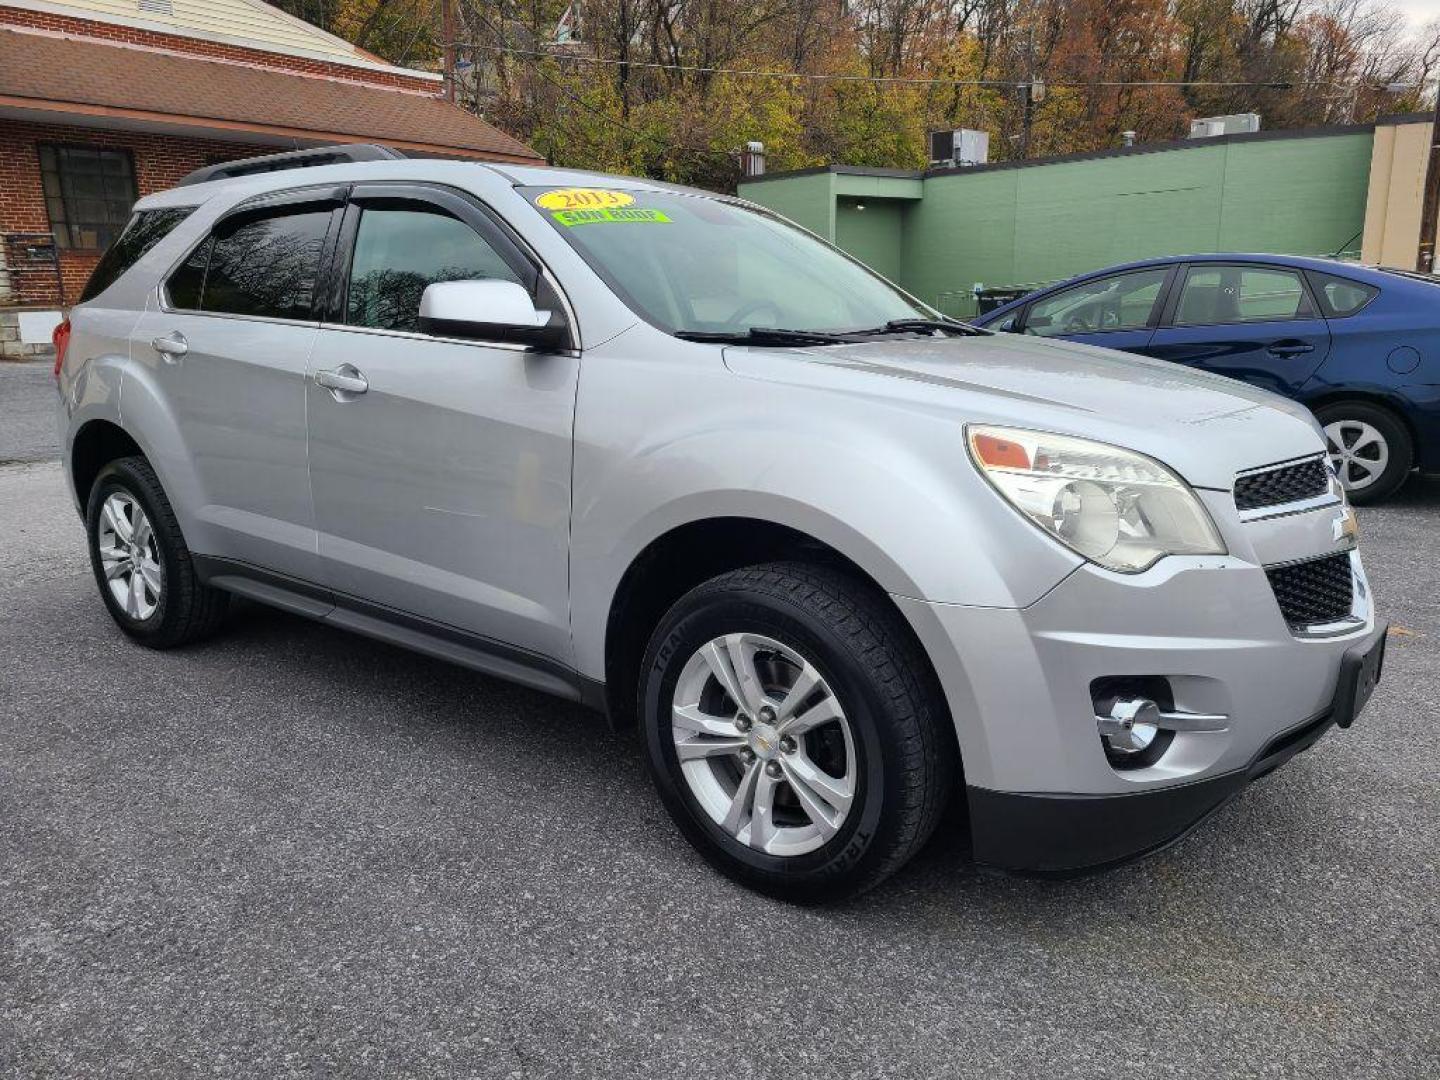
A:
(1068, 834)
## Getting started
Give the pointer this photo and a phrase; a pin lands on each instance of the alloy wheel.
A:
(1358, 452)
(764, 744)
(129, 557)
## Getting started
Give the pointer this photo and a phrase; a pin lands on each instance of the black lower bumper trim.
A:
(1067, 835)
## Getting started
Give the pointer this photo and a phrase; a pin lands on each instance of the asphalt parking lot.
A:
(292, 851)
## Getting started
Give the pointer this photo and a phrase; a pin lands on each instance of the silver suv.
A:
(843, 560)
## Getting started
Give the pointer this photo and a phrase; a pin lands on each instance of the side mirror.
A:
(1039, 320)
(489, 311)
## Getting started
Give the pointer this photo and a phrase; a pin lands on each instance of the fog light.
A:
(1131, 726)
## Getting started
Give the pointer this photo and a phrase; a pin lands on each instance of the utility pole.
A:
(1430, 204)
(447, 32)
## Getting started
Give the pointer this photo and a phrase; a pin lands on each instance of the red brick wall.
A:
(216, 50)
(160, 161)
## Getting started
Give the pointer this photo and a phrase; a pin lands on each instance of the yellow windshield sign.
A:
(583, 199)
(594, 217)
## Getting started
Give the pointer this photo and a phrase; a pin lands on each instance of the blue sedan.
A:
(1359, 345)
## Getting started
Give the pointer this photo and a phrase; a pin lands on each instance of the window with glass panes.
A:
(88, 193)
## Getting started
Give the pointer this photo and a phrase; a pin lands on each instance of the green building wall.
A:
(941, 233)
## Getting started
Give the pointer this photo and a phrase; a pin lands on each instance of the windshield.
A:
(691, 264)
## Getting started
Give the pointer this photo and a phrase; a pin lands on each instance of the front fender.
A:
(887, 486)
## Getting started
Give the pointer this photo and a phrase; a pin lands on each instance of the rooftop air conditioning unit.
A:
(960, 147)
(1209, 127)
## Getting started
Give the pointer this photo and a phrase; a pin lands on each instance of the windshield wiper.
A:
(910, 326)
(767, 335)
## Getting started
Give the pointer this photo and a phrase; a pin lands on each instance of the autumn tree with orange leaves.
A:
(674, 88)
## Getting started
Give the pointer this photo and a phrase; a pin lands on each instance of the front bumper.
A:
(1063, 835)
(1043, 794)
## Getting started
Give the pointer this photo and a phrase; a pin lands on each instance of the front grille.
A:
(1318, 591)
(1284, 484)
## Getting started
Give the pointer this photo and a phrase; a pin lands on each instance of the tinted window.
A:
(1114, 303)
(1341, 296)
(145, 230)
(187, 283)
(399, 252)
(1231, 294)
(267, 266)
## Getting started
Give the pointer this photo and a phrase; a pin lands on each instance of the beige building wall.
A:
(1392, 208)
(232, 20)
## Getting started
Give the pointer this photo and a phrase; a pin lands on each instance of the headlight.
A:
(1117, 508)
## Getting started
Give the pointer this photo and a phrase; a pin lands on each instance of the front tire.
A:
(793, 731)
(1369, 448)
(142, 566)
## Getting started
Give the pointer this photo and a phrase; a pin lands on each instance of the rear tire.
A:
(887, 757)
(1369, 447)
(144, 570)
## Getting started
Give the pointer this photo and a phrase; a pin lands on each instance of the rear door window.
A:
(145, 230)
(1216, 295)
(266, 267)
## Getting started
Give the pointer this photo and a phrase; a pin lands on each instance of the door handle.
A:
(171, 346)
(1290, 348)
(342, 380)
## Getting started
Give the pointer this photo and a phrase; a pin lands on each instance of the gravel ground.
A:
(296, 852)
(27, 411)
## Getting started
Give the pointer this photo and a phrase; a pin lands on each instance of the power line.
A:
(905, 80)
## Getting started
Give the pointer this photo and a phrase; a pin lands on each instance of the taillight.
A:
(60, 336)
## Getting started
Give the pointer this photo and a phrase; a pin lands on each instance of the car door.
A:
(1254, 322)
(440, 467)
(1117, 311)
(228, 337)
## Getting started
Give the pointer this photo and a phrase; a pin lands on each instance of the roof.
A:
(1275, 135)
(1320, 263)
(460, 174)
(252, 23)
(49, 73)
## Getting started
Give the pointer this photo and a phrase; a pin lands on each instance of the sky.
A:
(1419, 12)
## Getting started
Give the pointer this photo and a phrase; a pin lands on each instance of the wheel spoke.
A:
(718, 660)
(116, 519)
(742, 801)
(690, 718)
(142, 530)
(1366, 469)
(824, 798)
(742, 659)
(822, 712)
(803, 687)
(696, 747)
(762, 814)
(112, 561)
(150, 572)
(135, 596)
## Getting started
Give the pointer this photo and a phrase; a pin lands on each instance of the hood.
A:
(1206, 426)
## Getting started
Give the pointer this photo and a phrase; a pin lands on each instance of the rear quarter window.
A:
(1340, 296)
(144, 231)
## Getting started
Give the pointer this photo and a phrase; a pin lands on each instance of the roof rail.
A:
(297, 159)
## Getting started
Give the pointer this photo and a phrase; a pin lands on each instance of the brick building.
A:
(102, 101)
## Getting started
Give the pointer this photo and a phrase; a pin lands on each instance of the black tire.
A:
(906, 762)
(186, 610)
(1398, 445)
